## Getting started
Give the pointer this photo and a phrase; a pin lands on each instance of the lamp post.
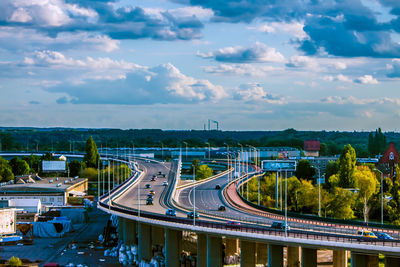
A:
(186, 149)
(286, 203)
(381, 195)
(240, 164)
(209, 150)
(194, 195)
(319, 190)
(227, 156)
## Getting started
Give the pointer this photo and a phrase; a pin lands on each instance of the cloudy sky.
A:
(174, 64)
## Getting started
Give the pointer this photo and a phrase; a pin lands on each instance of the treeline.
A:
(74, 140)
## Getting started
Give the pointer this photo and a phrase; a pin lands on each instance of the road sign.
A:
(278, 165)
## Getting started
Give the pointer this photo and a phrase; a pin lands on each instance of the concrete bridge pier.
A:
(293, 256)
(308, 257)
(157, 234)
(173, 247)
(262, 253)
(339, 258)
(201, 250)
(231, 246)
(214, 251)
(275, 255)
(144, 240)
(247, 253)
(362, 260)
(129, 231)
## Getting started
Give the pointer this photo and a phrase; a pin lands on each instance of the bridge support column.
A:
(231, 246)
(157, 234)
(308, 257)
(293, 256)
(339, 258)
(262, 253)
(130, 231)
(390, 261)
(144, 236)
(173, 247)
(121, 226)
(247, 253)
(275, 255)
(201, 250)
(361, 260)
(214, 251)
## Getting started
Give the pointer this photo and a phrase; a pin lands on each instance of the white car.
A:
(165, 183)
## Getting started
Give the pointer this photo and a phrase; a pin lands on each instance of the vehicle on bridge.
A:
(280, 226)
(233, 224)
(221, 208)
(149, 201)
(153, 179)
(152, 192)
(192, 215)
(165, 183)
(383, 236)
(217, 187)
(147, 186)
(366, 234)
(170, 212)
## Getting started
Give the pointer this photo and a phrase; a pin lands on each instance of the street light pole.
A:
(209, 150)
(186, 149)
(286, 203)
(194, 195)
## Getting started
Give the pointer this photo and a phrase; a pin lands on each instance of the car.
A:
(221, 208)
(159, 173)
(152, 192)
(280, 226)
(147, 161)
(163, 175)
(149, 195)
(153, 179)
(366, 234)
(232, 224)
(147, 186)
(383, 236)
(170, 212)
(165, 183)
(149, 201)
(217, 187)
(192, 215)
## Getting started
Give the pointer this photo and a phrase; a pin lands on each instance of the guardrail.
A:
(205, 180)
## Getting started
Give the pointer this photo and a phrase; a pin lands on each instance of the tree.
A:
(47, 156)
(92, 155)
(367, 184)
(341, 203)
(33, 162)
(203, 172)
(19, 166)
(304, 170)
(75, 167)
(347, 164)
(331, 168)
(6, 173)
(89, 173)
(376, 143)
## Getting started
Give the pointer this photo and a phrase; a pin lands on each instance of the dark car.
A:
(152, 192)
(217, 186)
(163, 175)
(192, 215)
(383, 236)
(153, 179)
(150, 195)
(221, 208)
(159, 173)
(149, 201)
(232, 224)
(170, 212)
(147, 186)
(280, 226)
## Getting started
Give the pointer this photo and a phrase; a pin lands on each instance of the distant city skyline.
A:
(174, 64)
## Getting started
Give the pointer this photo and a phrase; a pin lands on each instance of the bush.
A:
(14, 261)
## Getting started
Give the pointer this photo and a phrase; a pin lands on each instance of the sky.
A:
(175, 64)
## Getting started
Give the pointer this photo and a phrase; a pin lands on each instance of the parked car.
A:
(165, 183)
(152, 192)
(147, 186)
(280, 226)
(366, 234)
(192, 215)
(149, 201)
(383, 236)
(170, 212)
(221, 208)
(217, 186)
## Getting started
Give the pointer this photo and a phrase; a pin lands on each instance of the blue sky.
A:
(174, 64)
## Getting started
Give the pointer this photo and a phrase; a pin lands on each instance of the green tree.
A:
(19, 166)
(304, 170)
(33, 162)
(340, 206)
(6, 173)
(331, 168)
(92, 155)
(347, 164)
(367, 184)
(75, 167)
(89, 173)
(47, 156)
(204, 172)
(14, 262)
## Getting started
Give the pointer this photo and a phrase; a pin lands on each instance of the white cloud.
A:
(366, 79)
(294, 28)
(339, 77)
(303, 62)
(241, 69)
(255, 92)
(258, 52)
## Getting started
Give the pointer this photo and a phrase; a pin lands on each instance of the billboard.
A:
(53, 166)
(278, 165)
(7, 221)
